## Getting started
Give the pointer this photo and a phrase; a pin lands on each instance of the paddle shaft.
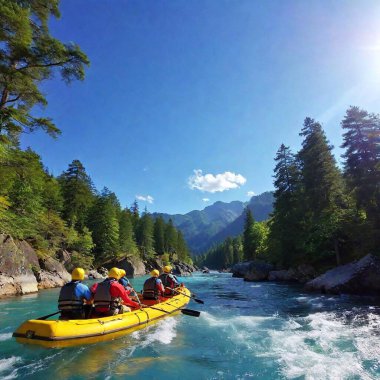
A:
(47, 316)
(192, 296)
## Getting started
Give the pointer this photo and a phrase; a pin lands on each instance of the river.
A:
(245, 331)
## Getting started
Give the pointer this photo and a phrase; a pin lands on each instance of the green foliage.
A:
(78, 194)
(159, 238)
(104, 224)
(144, 236)
(30, 55)
(127, 241)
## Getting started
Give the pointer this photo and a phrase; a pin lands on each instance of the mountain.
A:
(202, 229)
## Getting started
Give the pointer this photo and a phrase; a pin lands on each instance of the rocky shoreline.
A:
(22, 271)
(361, 277)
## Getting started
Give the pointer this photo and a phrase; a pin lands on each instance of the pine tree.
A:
(362, 171)
(104, 225)
(248, 243)
(181, 247)
(323, 194)
(285, 226)
(127, 241)
(170, 237)
(30, 55)
(159, 238)
(144, 237)
(78, 194)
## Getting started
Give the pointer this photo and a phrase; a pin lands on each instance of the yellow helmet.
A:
(122, 273)
(77, 274)
(154, 273)
(114, 273)
(167, 268)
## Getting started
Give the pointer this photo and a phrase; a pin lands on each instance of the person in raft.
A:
(73, 295)
(125, 282)
(110, 298)
(153, 287)
(169, 280)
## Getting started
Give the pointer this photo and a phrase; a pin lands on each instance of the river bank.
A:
(246, 330)
(23, 271)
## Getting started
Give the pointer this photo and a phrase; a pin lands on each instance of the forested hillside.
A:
(323, 215)
(64, 212)
(214, 223)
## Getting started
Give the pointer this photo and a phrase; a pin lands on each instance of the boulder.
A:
(205, 270)
(258, 271)
(240, 269)
(132, 265)
(255, 270)
(153, 263)
(182, 269)
(360, 277)
(52, 274)
(301, 274)
(18, 263)
(95, 275)
(103, 271)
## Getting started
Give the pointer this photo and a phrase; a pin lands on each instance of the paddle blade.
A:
(192, 313)
(198, 300)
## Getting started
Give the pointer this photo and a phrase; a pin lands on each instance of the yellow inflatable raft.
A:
(78, 331)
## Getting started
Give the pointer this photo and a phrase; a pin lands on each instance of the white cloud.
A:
(213, 183)
(145, 198)
(206, 199)
(250, 193)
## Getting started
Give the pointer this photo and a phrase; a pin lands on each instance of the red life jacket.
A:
(150, 291)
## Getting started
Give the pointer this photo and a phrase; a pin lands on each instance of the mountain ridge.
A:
(204, 228)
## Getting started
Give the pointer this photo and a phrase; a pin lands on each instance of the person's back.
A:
(72, 296)
(109, 296)
(153, 287)
(169, 281)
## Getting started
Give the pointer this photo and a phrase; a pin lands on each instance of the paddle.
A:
(192, 313)
(192, 296)
(47, 316)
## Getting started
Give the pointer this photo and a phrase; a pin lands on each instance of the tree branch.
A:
(45, 65)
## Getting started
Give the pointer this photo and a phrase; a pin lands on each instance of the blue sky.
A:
(205, 90)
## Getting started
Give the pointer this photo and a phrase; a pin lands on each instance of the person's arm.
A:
(174, 280)
(124, 296)
(160, 286)
(86, 293)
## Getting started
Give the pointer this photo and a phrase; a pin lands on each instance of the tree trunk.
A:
(337, 252)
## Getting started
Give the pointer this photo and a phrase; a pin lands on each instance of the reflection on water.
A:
(246, 330)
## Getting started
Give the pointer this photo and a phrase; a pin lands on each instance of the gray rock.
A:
(301, 274)
(360, 277)
(52, 274)
(95, 275)
(258, 271)
(255, 270)
(133, 266)
(18, 262)
(182, 269)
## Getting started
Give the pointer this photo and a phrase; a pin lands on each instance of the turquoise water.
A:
(246, 331)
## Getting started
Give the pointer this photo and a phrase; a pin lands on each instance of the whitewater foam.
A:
(5, 336)
(164, 332)
(324, 346)
(7, 365)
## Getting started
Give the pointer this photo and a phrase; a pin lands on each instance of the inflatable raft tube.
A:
(89, 330)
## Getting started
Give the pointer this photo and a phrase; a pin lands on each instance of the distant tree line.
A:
(323, 215)
(66, 212)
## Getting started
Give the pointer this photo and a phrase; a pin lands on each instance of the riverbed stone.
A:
(360, 277)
